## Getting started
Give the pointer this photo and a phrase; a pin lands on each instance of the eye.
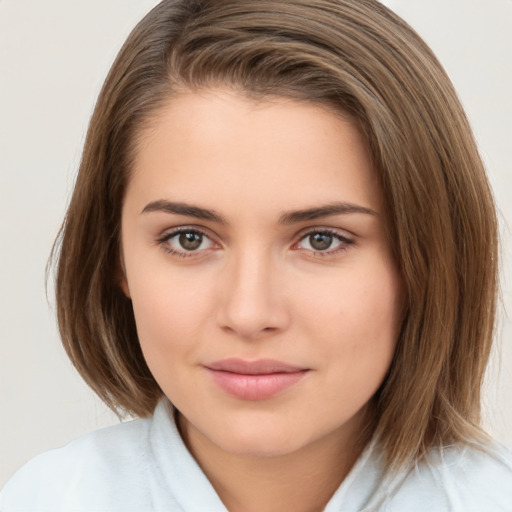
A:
(324, 241)
(185, 241)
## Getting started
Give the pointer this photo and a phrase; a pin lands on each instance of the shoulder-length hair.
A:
(358, 58)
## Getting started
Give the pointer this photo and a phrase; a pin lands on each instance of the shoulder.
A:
(466, 479)
(83, 474)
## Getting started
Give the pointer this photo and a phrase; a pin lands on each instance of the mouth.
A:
(254, 380)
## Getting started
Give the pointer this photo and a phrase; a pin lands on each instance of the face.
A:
(254, 247)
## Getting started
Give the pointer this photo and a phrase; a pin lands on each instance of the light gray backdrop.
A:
(54, 56)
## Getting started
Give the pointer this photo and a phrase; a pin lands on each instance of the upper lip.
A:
(258, 367)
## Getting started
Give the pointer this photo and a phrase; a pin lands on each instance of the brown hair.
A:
(359, 58)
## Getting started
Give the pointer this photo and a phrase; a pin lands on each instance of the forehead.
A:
(225, 149)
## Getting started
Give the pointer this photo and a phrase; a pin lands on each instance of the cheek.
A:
(169, 311)
(354, 300)
(360, 342)
(167, 314)
(355, 318)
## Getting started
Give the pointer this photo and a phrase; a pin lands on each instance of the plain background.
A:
(54, 56)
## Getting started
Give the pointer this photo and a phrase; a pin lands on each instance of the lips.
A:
(254, 380)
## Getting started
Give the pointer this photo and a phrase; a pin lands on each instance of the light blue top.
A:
(144, 466)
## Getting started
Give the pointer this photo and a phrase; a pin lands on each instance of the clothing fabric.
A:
(144, 465)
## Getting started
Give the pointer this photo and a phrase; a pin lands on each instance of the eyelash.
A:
(163, 241)
(345, 242)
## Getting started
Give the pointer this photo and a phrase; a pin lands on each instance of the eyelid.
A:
(344, 237)
(170, 233)
(341, 235)
(326, 229)
(337, 232)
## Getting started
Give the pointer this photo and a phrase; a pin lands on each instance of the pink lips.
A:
(254, 380)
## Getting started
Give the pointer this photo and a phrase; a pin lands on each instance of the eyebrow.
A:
(291, 217)
(184, 209)
(340, 208)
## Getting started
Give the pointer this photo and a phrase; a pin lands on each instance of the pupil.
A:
(320, 241)
(190, 241)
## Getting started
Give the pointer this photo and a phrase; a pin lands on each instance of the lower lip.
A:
(255, 387)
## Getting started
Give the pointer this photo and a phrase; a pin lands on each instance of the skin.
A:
(258, 288)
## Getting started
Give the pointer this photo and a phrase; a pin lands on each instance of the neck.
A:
(302, 481)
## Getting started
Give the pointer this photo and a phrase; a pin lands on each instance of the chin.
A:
(251, 437)
(261, 446)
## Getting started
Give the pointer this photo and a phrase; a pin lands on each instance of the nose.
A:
(253, 302)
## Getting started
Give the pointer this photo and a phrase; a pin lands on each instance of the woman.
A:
(281, 254)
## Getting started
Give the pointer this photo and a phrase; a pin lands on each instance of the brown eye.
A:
(320, 241)
(185, 242)
(327, 242)
(190, 241)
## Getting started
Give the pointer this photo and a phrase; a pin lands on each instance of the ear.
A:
(121, 276)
